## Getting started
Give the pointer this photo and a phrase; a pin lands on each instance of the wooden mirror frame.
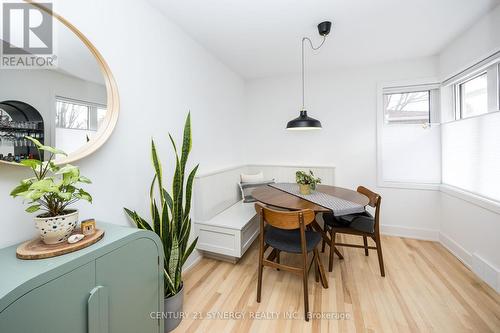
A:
(112, 97)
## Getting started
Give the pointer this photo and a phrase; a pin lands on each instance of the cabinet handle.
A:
(97, 307)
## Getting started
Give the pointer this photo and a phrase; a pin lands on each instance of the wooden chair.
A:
(286, 232)
(364, 225)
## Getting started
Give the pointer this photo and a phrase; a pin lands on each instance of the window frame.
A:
(433, 84)
(491, 67)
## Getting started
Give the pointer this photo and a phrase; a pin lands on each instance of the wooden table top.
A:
(274, 197)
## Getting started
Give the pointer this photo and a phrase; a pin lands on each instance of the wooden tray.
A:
(37, 249)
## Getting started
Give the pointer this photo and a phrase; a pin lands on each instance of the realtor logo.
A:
(27, 36)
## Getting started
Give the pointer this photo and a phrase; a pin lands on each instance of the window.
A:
(407, 108)
(474, 96)
(408, 151)
(469, 146)
(74, 114)
(76, 122)
(473, 92)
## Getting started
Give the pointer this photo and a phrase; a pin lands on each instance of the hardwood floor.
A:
(426, 289)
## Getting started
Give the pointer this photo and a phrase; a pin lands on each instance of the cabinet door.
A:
(59, 306)
(130, 275)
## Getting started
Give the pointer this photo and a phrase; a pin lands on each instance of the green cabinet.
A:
(112, 286)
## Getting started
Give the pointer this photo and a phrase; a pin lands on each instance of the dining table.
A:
(272, 196)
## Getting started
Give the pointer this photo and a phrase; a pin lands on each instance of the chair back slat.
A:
(284, 219)
(372, 196)
(375, 200)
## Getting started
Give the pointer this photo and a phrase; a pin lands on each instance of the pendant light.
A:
(303, 121)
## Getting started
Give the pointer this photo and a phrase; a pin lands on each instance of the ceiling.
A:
(259, 38)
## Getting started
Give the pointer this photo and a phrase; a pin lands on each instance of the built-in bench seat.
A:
(226, 226)
(230, 232)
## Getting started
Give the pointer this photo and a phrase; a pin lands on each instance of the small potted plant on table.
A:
(307, 181)
(52, 190)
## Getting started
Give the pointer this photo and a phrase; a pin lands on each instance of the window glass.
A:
(72, 115)
(407, 108)
(101, 114)
(474, 96)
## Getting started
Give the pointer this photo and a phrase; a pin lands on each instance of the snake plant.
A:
(170, 218)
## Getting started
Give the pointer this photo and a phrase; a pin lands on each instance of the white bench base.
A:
(229, 234)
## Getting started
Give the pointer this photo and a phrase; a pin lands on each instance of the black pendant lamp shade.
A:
(303, 122)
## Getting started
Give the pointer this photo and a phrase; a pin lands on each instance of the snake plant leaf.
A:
(185, 230)
(156, 165)
(167, 249)
(156, 219)
(164, 221)
(189, 251)
(174, 257)
(151, 195)
(33, 208)
(177, 198)
(186, 143)
(168, 199)
(141, 223)
(167, 278)
(189, 190)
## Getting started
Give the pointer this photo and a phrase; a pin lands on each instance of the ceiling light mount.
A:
(303, 121)
(324, 28)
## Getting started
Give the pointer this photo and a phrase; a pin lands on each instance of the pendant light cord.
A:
(303, 63)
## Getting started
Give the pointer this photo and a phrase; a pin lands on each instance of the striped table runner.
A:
(338, 206)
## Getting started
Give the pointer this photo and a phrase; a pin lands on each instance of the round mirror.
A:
(54, 86)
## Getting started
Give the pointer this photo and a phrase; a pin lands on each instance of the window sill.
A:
(410, 186)
(472, 198)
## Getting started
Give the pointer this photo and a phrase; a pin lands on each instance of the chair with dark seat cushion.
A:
(289, 240)
(363, 224)
(286, 232)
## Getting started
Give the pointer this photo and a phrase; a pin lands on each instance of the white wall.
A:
(471, 232)
(345, 102)
(39, 88)
(473, 45)
(161, 74)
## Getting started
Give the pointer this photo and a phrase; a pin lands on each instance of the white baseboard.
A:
(456, 249)
(486, 272)
(409, 232)
(193, 259)
(479, 266)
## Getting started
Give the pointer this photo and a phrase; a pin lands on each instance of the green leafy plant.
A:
(303, 178)
(53, 188)
(170, 218)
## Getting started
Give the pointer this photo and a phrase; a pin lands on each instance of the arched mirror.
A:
(67, 98)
